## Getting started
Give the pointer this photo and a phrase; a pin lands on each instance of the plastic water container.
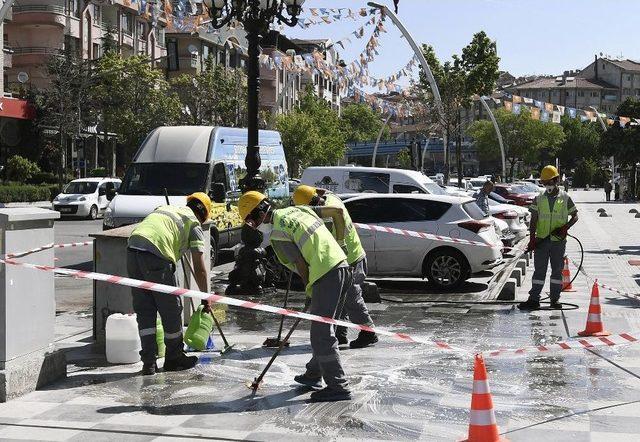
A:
(122, 339)
(160, 338)
(199, 329)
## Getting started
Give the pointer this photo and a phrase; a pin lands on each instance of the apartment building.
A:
(42, 28)
(623, 75)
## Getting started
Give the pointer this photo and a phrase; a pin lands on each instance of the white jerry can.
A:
(122, 339)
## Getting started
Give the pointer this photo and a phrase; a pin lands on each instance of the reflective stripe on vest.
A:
(550, 218)
(355, 251)
(168, 228)
(301, 226)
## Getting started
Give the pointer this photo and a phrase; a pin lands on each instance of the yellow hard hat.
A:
(248, 202)
(304, 194)
(204, 199)
(549, 173)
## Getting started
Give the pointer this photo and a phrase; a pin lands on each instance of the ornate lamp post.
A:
(256, 16)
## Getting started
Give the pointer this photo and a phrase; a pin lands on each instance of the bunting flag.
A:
(398, 110)
(320, 16)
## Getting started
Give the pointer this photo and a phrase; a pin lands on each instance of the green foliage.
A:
(99, 172)
(132, 97)
(524, 138)
(360, 123)
(20, 169)
(42, 178)
(622, 143)
(585, 173)
(600, 177)
(629, 108)
(311, 135)
(24, 193)
(217, 96)
(404, 159)
(582, 140)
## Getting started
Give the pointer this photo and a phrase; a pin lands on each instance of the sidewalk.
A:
(402, 391)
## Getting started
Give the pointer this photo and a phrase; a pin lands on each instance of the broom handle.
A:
(286, 298)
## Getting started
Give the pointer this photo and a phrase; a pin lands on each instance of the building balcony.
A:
(34, 55)
(40, 15)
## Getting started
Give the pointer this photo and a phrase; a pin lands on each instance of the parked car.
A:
(520, 195)
(351, 179)
(445, 264)
(85, 197)
(533, 187)
(515, 221)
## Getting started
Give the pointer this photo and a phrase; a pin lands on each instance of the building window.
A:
(626, 91)
(629, 78)
(71, 8)
(96, 50)
(172, 54)
(604, 66)
(127, 23)
(595, 94)
(637, 92)
(581, 94)
(140, 30)
(97, 13)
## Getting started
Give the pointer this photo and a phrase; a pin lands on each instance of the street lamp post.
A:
(256, 16)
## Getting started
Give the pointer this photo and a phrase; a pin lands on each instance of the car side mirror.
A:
(218, 193)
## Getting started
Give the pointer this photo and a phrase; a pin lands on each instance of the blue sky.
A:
(533, 36)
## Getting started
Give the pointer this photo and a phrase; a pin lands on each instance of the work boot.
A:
(183, 362)
(529, 305)
(341, 334)
(308, 381)
(555, 305)
(149, 368)
(328, 394)
(364, 339)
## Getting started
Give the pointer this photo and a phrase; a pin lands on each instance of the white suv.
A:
(445, 264)
(86, 197)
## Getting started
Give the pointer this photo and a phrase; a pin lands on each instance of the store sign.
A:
(14, 108)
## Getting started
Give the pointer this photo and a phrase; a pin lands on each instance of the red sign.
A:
(14, 108)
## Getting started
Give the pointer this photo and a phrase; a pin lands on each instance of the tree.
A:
(361, 123)
(585, 173)
(582, 140)
(475, 72)
(133, 99)
(62, 106)
(216, 96)
(20, 169)
(524, 138)
(404, 159)
(311, 135)
(629, 108)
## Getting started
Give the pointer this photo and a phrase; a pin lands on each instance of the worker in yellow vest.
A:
(303, 244)
(154, 248)
(552, 215)
(354, 306)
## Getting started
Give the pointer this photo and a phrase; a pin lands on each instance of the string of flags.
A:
(320, 16)
(549, 112)
(397, 110)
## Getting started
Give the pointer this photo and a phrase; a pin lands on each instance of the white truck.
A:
(187, 159)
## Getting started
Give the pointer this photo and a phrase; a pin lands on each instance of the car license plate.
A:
(65, 210)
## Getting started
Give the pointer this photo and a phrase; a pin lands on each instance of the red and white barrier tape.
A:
(609, 341)
(423, 235)
(47, 247)
(601, 285)
(177, 291)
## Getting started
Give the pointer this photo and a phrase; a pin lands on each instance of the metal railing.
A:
(36, 50)
(39, 8)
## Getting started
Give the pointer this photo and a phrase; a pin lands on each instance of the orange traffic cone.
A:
(594, 321)
(482, 422)
(566, 277)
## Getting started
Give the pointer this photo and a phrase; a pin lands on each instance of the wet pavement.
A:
(401, 391)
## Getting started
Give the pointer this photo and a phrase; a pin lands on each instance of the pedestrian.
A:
(303, 244)
(154, 248)
(354, 307)
(607, 190)
(482, 197)
(552, 215)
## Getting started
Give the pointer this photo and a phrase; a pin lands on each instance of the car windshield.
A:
(532, 187)
(494, 196)
(434, 189)
(520, 189)
(154, 178)
(81, 187)
(474, 211)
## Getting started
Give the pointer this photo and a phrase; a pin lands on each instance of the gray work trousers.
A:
(146, 304)
(326, 296)
(547, 251)
(354, 307)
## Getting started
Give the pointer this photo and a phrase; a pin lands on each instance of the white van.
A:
(86, 197)
(187, 159)
(350, 179)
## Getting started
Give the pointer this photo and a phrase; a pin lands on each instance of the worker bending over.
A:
(154, 248)
(354, 306)
(550, 223)
(303, 244)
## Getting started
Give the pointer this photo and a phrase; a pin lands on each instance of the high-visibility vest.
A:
(550, 218)
(168, 228)
(355, 251)
(301, 226)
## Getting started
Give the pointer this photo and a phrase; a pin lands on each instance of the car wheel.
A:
(93, 212)
(446, 268)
